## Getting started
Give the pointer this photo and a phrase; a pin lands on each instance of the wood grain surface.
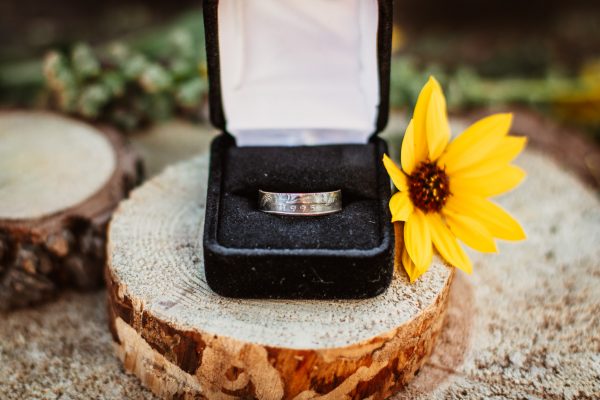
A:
(182, 339)
(60, 180)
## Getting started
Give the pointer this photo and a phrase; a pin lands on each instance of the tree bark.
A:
(184, 341)
(60, 180)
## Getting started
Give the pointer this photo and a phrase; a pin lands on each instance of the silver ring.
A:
(301, 204)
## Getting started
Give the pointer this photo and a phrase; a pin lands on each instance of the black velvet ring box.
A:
(300, 90)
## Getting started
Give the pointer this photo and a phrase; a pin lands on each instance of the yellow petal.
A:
(507, 150)
(395, 173)
(417, 240)
(410, 155)
(400, 206)
(472, 232)
(420, 120)
(493, 184)
(409, 266)
(497, 221)
(447, 245)
(437, 127)
(474, 144)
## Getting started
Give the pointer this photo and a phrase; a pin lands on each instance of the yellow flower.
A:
(443, 187)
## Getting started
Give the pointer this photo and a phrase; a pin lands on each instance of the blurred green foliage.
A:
(129, 83)
(573, 99)
(135, 83)
(160, 73)
(127, 87)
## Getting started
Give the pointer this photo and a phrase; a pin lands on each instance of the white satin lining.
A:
(299, 72)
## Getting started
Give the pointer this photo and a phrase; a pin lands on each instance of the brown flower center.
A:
(428, 187)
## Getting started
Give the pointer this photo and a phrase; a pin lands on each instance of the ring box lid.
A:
(298, 72)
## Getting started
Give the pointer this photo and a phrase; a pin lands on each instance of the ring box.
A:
(300, 91)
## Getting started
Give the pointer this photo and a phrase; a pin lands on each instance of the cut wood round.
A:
(184, 341)
(60, 180)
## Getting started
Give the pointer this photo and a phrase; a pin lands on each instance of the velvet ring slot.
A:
(249, 253)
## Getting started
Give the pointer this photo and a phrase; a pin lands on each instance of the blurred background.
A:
(133, 62)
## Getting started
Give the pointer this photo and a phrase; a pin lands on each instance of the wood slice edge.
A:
(175, 363)
(40, 256)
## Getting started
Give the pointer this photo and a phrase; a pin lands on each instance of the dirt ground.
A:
(524, 325)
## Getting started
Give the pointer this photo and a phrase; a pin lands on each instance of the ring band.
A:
(301, 204)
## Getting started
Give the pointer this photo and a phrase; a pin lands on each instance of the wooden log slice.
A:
(184, 341)
(60, 180)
